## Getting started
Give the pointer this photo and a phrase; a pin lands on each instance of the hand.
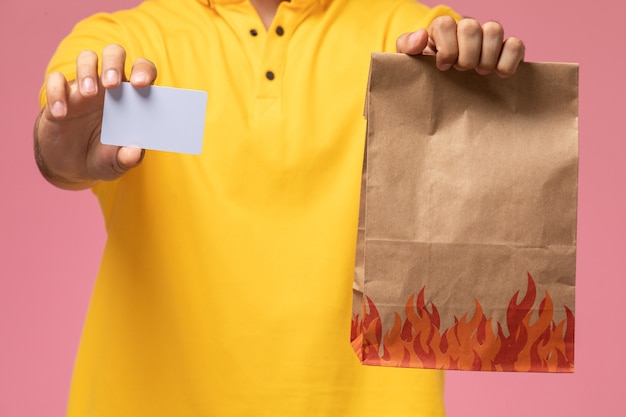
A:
(465, 45)
(67, 132)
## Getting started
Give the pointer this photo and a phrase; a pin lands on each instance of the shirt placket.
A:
(269, 79)
(266, 49)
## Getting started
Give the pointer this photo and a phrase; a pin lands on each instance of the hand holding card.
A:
(154, 117)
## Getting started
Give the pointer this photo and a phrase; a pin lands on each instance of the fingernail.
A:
(58, 109)
(445, 67)
(111, 77)
(138, 77)
(88, 86)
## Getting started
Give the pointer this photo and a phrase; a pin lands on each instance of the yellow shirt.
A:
(226, 283)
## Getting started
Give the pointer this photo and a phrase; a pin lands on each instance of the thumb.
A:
(128, 157)
(412, 43)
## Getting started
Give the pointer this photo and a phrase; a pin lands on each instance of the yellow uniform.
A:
(226, 283)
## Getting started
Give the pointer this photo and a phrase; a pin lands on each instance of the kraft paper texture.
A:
(466, 254)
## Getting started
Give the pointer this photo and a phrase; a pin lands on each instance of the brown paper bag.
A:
(467, 231)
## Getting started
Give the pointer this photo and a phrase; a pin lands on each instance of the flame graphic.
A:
(470, 343)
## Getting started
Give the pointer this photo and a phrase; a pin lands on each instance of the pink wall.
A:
(50, 240)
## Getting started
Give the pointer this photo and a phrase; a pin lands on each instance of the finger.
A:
(443, 41)
(56, 94)
(113, 58)
(512, 54)
(470, 40)
(143, 73)
(493, 37)
(412, 43)
(87, 73)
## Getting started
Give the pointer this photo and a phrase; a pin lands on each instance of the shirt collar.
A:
(213, 3)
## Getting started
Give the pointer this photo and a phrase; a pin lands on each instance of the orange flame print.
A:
(470, 343)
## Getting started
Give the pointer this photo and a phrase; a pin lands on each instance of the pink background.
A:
(51, 240)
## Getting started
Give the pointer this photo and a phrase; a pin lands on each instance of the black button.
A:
(269, 75)
(280, 31)
(253, 32)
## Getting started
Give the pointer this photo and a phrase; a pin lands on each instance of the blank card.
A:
(154, 117)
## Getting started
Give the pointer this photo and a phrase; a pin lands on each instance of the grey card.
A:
(154, 117)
